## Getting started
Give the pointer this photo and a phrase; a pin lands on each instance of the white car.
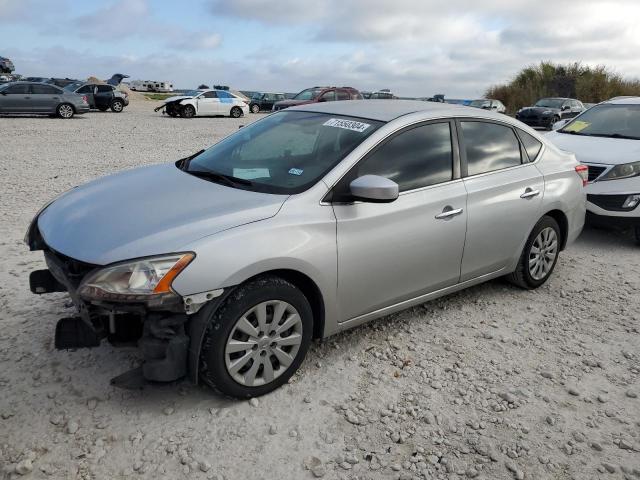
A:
(209, 102)
(606, 138)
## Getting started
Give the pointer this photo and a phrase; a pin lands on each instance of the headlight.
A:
(626, 170)
(137, 280)
(547, 112)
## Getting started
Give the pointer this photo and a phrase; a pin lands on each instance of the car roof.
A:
(387, 111)
(624, 101)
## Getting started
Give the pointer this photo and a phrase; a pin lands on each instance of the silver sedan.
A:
(225, 265)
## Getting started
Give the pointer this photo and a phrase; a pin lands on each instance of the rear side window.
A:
(329, 96)
(489, 147)
(531, 145)
(415, 158)
(44, 90)
(105, 88)
(21, 89)
(343, 95)
(223, 94)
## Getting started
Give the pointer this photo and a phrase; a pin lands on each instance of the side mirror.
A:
(374, 189)
(558, 125)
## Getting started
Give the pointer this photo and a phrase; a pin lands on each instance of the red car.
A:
(319, 94)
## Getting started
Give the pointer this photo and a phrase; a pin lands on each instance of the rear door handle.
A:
(529, 193)
(449, 212)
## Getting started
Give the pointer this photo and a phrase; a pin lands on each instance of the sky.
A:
(413, 47)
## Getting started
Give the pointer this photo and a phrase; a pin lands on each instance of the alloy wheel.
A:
(263, 343)
(543, 253)
(65, 111)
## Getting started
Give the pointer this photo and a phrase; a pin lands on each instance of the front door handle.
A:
(529, 193)
(448, 212)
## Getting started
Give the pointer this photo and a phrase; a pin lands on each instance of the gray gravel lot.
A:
(490, 383)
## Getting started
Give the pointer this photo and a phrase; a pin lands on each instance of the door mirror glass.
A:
(373, 188)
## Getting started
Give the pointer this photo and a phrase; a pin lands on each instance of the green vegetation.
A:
(588, 84)
(158, 96)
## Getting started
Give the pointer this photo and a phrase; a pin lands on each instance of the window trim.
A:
(455, 149)
(524, 157)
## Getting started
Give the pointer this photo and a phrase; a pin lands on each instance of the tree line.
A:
(574, 80)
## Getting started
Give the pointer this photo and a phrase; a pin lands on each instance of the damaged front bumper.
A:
(159, 325)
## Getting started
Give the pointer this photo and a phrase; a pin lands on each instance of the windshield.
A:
(480, 103)
(286, 152)
(308, 94)
(550, 103)
(607, 120)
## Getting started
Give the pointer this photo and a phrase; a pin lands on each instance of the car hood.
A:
(608, 151)
(176, 97)
(539, 110)
(146, 211)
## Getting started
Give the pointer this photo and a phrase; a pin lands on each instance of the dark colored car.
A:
(548, 111)
(101, 96)
(319, 94)
(265, 101)
(40, 98)
(6, 65)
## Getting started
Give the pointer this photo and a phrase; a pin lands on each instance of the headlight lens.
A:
(626, 170)
(135, 280)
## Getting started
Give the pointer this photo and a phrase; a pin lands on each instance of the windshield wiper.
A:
(615, 135)
(228, 180)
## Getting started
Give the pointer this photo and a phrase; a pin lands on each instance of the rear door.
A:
(504, 200)
(45, 98)
(89, 92)
(227, 101)
(392, 252)
(16, 99)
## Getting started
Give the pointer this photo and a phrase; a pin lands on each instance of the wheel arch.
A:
(563, 222)
(198, 324)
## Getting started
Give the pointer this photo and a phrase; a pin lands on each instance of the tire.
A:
(187, 111)
(117, 105)
(171, 112)
(531, 273)
(65, 110)
(255, 108)
(236, 112)
(552, 123)
(102, 108)
(242, 372)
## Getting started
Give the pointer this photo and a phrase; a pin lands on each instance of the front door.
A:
(391, 252)
(504, 196)
(16, 99)
(45, 98)
(208, 103)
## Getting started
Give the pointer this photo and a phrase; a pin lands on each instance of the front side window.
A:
(414, 158)
(489, 147)
(211, 94)
(607, 120)
(308, 94)
(329, 96)
(284, 153)
(343, 95)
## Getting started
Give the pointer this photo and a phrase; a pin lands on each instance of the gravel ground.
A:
(492, 382)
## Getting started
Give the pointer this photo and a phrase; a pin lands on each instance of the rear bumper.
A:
(83, 108)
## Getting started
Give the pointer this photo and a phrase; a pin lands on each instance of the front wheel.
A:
(256, 339)
(187, 111)
(539, 256)
(255, 108)
(236, 112)
(117, 106)
(64, 110)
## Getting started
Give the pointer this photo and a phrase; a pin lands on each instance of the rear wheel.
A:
(539, 256)
(187, 111)
(236, 112)
(117, 105)
(257, 338)
(255, 108)
(65, 110)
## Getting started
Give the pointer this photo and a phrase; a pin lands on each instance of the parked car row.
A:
(547, 111)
